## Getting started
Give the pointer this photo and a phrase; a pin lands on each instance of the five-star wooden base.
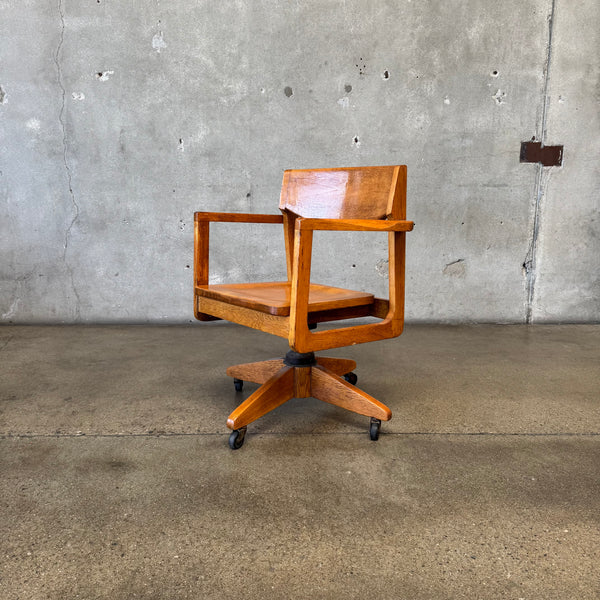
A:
(283, 379)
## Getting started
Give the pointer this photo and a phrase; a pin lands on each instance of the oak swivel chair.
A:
(350, 199)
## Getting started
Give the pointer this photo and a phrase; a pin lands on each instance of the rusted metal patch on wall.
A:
(534, 152)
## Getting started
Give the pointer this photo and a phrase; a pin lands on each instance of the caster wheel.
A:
(374, 429)
(236, 439)
(351, 378)
(239, 385)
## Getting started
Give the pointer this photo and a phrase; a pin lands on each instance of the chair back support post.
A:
(289, 224)
(397, 252)
(302, 257)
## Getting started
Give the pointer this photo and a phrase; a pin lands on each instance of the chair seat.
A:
(274, 297)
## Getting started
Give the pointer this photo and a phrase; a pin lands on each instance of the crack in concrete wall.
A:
(69, 176)
(530, 263)
(195, 127)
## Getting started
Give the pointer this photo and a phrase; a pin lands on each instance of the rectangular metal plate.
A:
(534, 152)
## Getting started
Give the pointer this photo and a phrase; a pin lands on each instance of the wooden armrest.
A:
(354, 225)
(300, 338)
(202, 222)
(237, 217)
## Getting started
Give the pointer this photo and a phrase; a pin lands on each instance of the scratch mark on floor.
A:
(7, 342)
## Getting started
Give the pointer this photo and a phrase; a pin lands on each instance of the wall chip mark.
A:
(456, 268)
(344, 102)
(288, 91)
(78, 96)
(181, 146)
(382, 267)
(361, 66)
(33, 124)
(11, 310)
(3, 96)
(158, 42)
(446, 100)
(104, 75)
(499, 96)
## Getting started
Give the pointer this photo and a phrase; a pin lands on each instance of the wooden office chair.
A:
(352, 199)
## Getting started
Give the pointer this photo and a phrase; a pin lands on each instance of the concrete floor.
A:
(116, 480)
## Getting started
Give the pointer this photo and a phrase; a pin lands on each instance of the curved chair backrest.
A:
(347, 193)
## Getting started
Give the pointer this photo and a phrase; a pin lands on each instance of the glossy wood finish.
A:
(237, 217)
(354, 199)
(354, 225)
(273, 393)
(275, 297)
(201, 247)
(260, 372)
(244, 316)
(302, 339)
(347, 193)
(289, 227)
(256, 372)
(201, 240)
(339, 366)
(329, 387)
(281, 383)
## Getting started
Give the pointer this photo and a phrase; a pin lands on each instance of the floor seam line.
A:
(272, 433)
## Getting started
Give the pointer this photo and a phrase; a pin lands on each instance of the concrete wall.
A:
(119, 119)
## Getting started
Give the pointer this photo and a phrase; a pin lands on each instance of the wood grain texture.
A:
(339, 366)
(237, 217)
(345, 193)
(300, 287)
(347, 199)
(281, 383)
(396, 208)
(201, 247)
(244, 316)
(275, 297)
(201, 230)
(276, 391)
(355, 225)
(397, 244)
(313, 341)
(302, 382)
(340, 314)
(381, 308)
(256, 372)
(328, 387)
(201, 242)
(289, 226)
(260, 372)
